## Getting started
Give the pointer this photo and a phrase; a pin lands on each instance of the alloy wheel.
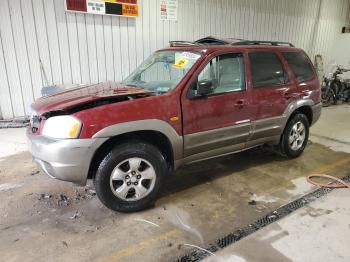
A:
(297, 136)
(133, 179)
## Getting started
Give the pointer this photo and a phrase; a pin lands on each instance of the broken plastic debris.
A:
(45, 196)
(253, 202)
(90, 191)
(63, 200)
(76, 215)
(34, 173)
(87, 194)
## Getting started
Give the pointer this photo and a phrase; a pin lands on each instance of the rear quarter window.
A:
(300, 65)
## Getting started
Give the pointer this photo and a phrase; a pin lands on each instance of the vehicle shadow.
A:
(212, 169)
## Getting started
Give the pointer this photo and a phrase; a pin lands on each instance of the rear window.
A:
(266, 69)
(300, 65)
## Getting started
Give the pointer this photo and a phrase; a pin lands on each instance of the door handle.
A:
(241, 103)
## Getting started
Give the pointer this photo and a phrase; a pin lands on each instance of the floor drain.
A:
(197, 255)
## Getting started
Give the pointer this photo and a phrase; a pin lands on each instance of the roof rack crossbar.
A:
(255, 42)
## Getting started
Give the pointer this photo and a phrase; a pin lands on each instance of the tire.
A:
(299, 138)
(131, 163)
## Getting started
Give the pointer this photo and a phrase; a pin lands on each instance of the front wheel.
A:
(295, 136)
(129, 177)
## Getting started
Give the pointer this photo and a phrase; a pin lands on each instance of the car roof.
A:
(229, 48)
(211, 44)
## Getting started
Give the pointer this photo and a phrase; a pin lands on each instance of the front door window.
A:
(226, 72)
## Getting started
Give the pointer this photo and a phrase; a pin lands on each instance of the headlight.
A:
(62, 127)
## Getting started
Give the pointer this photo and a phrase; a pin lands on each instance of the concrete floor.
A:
(318, 232)
(12, 141)
(333, 128)
(198, 205)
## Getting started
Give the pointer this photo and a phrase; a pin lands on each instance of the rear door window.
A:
(266, 69)
(300, 64)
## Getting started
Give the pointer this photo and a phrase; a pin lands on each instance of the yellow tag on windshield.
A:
(180, 63)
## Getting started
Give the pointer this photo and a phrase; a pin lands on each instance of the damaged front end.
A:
(72, 101)
(54, 135)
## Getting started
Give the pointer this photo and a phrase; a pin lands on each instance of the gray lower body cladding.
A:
(64, 159)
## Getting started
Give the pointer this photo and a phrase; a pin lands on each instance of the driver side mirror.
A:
(204, 88)
(201, 89)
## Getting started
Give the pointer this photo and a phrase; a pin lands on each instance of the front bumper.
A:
(316, 112)
(64, 159)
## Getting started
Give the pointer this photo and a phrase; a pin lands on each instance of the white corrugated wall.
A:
(78, 48)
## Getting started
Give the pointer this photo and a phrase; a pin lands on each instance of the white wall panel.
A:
(64, 42)
(32, 47)
(100, 48)
(41, 37)
(79, 48)
(92, 50)
(116, 48)
(21, 54)
(108, 47)
(139, 38)
(83, 49)
(74, 48)
(5, 95)
(53, 41)
(124, 48)
(11, 62)
(131, 28)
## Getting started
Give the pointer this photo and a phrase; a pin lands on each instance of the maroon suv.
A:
(185, 103)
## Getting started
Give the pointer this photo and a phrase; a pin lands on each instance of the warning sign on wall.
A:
(168, 10)
(127, 8)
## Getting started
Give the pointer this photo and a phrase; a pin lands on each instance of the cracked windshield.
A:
(162, 71)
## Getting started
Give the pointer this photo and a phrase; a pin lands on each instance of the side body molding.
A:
(146, 125)
(270, 129)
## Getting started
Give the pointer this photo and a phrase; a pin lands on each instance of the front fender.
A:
(146, 125)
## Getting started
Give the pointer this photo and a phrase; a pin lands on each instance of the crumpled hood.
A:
(76, 97)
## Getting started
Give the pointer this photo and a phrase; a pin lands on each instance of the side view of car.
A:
(185, 103)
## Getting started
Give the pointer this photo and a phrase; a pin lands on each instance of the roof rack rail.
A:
(256, 42)
(181, 43)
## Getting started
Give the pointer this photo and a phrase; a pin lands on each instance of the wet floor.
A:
(42, 219)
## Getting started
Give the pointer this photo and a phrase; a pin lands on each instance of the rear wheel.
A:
(295, 136)
(129, 177)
